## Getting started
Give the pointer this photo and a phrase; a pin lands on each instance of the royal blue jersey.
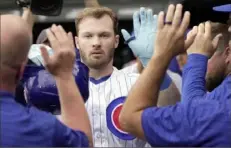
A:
(200, 119)
(28, 126)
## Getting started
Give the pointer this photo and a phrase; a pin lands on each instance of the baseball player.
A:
(108, 87)
(26, 125)
(37, 85)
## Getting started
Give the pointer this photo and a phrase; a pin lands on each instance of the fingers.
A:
(45, 55)
(57, 35)
(125, 34)
(201, 28)
(208, 29)
(149, 16)
(59, 32)
(52, 39)
(155, 21)
(185, 22)
(160, 20)
(70, 38)
(191, 37)
(174, 15)
(143, 16)
(177, 16)
(136, 22)
(216, 41)
(170, 13)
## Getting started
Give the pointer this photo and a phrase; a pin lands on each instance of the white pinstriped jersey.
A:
(104, 105)
(176, 78)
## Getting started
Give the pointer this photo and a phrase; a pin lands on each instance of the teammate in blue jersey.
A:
(201, 119)
(25, 125)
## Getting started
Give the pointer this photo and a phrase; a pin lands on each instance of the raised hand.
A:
(171, 30)
(61, 62)
(144, 29)
(204, 43)
(29, 17)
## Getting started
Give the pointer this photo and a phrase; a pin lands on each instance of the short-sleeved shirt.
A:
(28, 126)
(201, 119)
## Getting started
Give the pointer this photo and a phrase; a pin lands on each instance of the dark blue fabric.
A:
(40, 86)
(174, 66)
(98, 81)
(27, 126)
(200, 119)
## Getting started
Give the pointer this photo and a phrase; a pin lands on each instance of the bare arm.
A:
(169, 42)
(150, 79)
(74, 114)
(60, 65)
(91, 3)
(169, 96)
(29, 17)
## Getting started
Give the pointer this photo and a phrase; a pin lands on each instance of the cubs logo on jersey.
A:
(112, 113)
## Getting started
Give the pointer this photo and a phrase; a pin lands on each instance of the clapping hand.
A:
(171, 30)
(61, 62)
(204, 43)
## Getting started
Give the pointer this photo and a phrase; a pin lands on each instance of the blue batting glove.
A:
(145, 31)
(142, 44)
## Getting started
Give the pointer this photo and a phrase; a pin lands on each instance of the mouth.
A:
(97, 53)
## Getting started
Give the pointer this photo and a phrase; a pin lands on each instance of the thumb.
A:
(125, 34)
(45, 55)
(190, 37)
(216, 40)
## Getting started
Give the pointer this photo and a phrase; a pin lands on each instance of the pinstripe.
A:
(116, 86)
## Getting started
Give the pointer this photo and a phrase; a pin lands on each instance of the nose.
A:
(96, 42)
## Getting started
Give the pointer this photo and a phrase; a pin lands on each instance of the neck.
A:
(8, 80)
(8, 88)
(98, 73)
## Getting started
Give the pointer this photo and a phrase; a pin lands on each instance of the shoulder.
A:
(49, 126)
(131, 68)
(122, 73)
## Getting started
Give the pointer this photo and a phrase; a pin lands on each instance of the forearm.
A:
(169, 96)
(166, 81)
(29, 17)
(150, 79)
(194, 77)
(73, 112)
(91, 3)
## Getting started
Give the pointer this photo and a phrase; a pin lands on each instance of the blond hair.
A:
(97, 12)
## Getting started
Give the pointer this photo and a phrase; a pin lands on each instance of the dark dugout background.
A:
(201, 10)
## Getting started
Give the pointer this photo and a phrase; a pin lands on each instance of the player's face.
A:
(218, 66)
(229, 57)
(97, 41)
(215, 71)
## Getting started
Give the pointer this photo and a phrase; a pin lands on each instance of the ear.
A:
(20, 71)
(117, 40)
(227, 55)
(77, 41)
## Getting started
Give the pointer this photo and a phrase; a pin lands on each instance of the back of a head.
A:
(16, 39)
(219, 28)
